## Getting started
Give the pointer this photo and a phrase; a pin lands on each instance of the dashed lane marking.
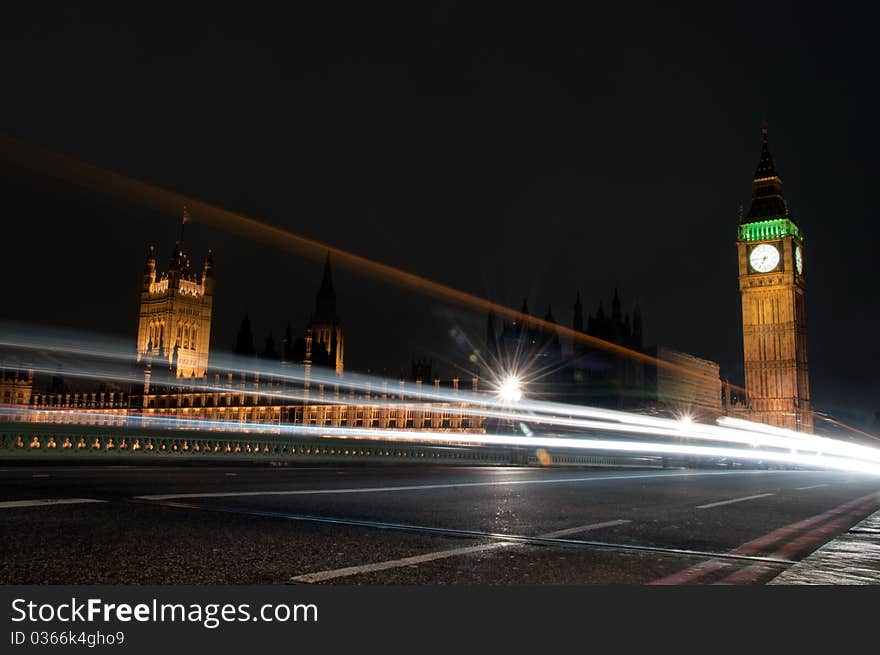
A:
(732, 500)
(331, 574)
(452, 532)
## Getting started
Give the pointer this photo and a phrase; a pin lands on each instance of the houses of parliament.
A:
(174, 376)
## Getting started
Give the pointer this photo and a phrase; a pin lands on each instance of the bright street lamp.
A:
(510, 390)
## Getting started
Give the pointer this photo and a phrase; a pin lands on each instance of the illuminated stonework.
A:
(773, 314)
(16, 387)
(773, 229)
(175, 314)
(240, 400)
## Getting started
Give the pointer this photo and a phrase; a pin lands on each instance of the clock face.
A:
(764, 258)
(798, 260)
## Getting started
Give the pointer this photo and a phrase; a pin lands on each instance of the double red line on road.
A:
(788, 542)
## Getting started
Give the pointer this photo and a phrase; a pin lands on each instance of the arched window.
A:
(192, 338)
(185, 343)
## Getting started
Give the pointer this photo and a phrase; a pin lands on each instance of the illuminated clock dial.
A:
(798, 260)
(764, 258)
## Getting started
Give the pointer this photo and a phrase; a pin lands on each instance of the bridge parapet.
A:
(45, 441)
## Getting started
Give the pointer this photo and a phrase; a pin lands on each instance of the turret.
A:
(208, 274)
(176, 310)
(150, 268)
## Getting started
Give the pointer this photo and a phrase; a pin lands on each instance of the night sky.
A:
(504, 151)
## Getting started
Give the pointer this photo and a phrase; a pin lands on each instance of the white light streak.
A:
(743, 440)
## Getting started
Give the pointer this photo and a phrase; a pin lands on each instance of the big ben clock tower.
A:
(772, 285)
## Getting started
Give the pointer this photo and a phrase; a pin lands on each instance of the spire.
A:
(767, 199)
(244, 341)
(151, 258)
(549, 338)
(325, 302)
(525, 307)
(269, 351)
(209, 263)
(615, 307)
(179, 261)
(184, 219)
(149, 268)
(766, 165)
(637, 326)
(287, 345)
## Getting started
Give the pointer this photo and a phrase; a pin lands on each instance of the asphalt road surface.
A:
(417, 525)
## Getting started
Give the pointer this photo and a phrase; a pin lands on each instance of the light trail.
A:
(100, 347)
(106, 181)
(485, 405)
(110, 182)
(664, 428)
(488, 407)
(845, 426)
(528, 442)
(817, 441)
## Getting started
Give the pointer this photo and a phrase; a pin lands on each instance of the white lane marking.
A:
(815, 486)
(732, 500)
(455, 485)
(40, 475)
(397, 563)
(231, 475)
(43, 502)
(584, 528)
(330, 574)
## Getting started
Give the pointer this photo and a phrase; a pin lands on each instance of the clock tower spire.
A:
(772, 286)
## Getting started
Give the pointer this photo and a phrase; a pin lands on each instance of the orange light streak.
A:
(163, 200)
